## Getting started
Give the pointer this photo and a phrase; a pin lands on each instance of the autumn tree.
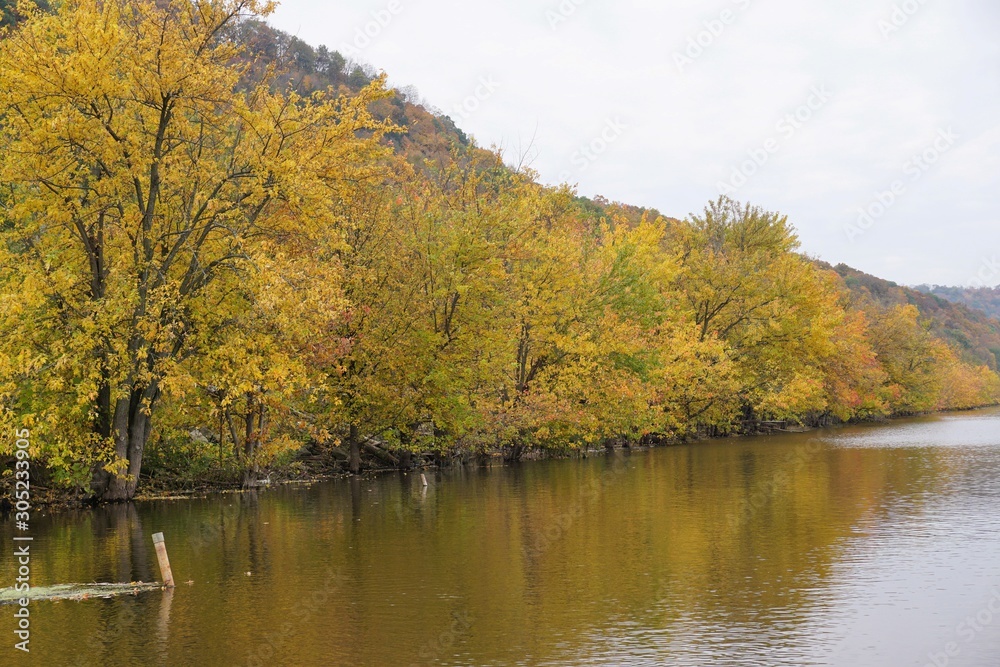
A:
(912, 358)
(139, 182)
(423, 256)
(9, 15)
(742, 282)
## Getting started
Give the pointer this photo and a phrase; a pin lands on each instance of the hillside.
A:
(425, 136)
(972, 332)
(985, 299)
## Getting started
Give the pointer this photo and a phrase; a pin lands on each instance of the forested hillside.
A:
(307, 70)
(975, 334)
(985, 299)
(211, 267)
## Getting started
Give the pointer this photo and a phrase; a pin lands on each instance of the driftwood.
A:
(381, 453)
(76, 591)
(86, 591)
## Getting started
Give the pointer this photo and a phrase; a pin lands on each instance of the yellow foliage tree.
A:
(139, 172)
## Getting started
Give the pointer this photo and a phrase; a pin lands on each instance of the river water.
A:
(874, 545)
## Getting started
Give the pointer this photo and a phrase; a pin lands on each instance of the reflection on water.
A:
(871, 545)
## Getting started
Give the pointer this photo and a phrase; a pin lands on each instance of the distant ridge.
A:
(973, 331)
(984, 299)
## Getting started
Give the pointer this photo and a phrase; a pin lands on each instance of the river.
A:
(874, 545)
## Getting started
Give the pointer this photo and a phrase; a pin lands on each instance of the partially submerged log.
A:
(76, 591)
(371, 447)
(86, 591)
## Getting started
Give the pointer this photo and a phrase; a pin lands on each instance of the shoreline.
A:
(57, 501)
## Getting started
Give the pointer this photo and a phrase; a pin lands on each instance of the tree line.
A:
(205, 271)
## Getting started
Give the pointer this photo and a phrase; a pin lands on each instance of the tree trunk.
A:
(253, 422)
(354, 451)
(406, 459)
(514, 453)
(130, 431)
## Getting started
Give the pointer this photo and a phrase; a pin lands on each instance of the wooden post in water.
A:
(161, 557)
(423, 479)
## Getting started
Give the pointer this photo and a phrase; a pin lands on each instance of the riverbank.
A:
(310, 470)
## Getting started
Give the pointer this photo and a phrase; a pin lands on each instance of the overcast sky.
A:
(820, 110)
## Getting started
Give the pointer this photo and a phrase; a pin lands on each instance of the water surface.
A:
(861, 546)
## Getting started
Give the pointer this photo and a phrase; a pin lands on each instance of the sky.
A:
(873, 124)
